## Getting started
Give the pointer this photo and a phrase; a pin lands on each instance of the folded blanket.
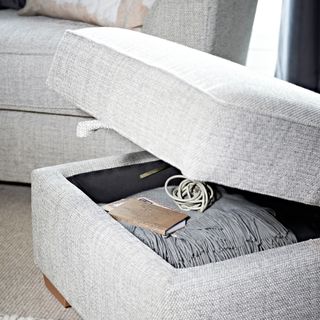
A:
(232, 227)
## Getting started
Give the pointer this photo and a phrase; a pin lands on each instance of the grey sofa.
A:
(37, 127)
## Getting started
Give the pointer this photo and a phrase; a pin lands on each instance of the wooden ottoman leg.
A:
(54, 291)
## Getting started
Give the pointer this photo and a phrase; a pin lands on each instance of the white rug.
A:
(22, 291)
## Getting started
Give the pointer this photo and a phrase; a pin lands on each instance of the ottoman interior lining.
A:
(108, 185)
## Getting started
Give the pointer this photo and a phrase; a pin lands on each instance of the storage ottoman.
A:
(105, 272)
(213, 120)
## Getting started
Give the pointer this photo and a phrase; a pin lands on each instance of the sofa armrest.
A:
(220, 27)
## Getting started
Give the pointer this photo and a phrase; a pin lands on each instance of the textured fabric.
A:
(213, 119)
(117, 13)
(34, 140)
(27, 45)
(220, 27)
(85, 128)
(299, 44)
(230, 228)
(107, 273)
(22, 291)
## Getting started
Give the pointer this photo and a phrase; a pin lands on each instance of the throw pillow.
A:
(109, 13)
(12, 4)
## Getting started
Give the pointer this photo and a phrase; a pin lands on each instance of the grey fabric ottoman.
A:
(105, 272)
(213, 120)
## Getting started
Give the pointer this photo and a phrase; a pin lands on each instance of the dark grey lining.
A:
(109, 185)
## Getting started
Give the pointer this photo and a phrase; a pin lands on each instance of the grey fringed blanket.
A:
(232, 227)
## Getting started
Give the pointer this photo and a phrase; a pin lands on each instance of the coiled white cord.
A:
(190, 195)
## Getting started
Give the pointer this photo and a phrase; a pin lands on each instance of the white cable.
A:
(190, 195)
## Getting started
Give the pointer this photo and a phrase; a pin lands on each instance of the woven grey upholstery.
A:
(33, 140)
(213, 119)
(107, 273)
(27, 46)
(220, 27)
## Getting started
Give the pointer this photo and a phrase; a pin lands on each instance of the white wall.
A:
(263, 47)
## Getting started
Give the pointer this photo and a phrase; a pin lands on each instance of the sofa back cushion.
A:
(220, 27)
(119, 13)
(213, 119)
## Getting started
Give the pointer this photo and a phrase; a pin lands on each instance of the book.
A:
(144, 213)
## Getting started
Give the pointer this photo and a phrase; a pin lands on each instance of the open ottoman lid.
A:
(213, 119)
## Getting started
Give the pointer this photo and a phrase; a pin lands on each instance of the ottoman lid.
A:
(213, 119)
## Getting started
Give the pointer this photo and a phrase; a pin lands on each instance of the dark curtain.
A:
(299, 43)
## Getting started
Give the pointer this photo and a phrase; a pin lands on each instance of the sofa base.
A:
(30, 140)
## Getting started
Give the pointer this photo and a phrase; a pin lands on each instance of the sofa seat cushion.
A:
(211, 118)
(27, 46)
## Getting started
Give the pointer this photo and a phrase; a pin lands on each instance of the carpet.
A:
(22, 291)
(15, 317)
